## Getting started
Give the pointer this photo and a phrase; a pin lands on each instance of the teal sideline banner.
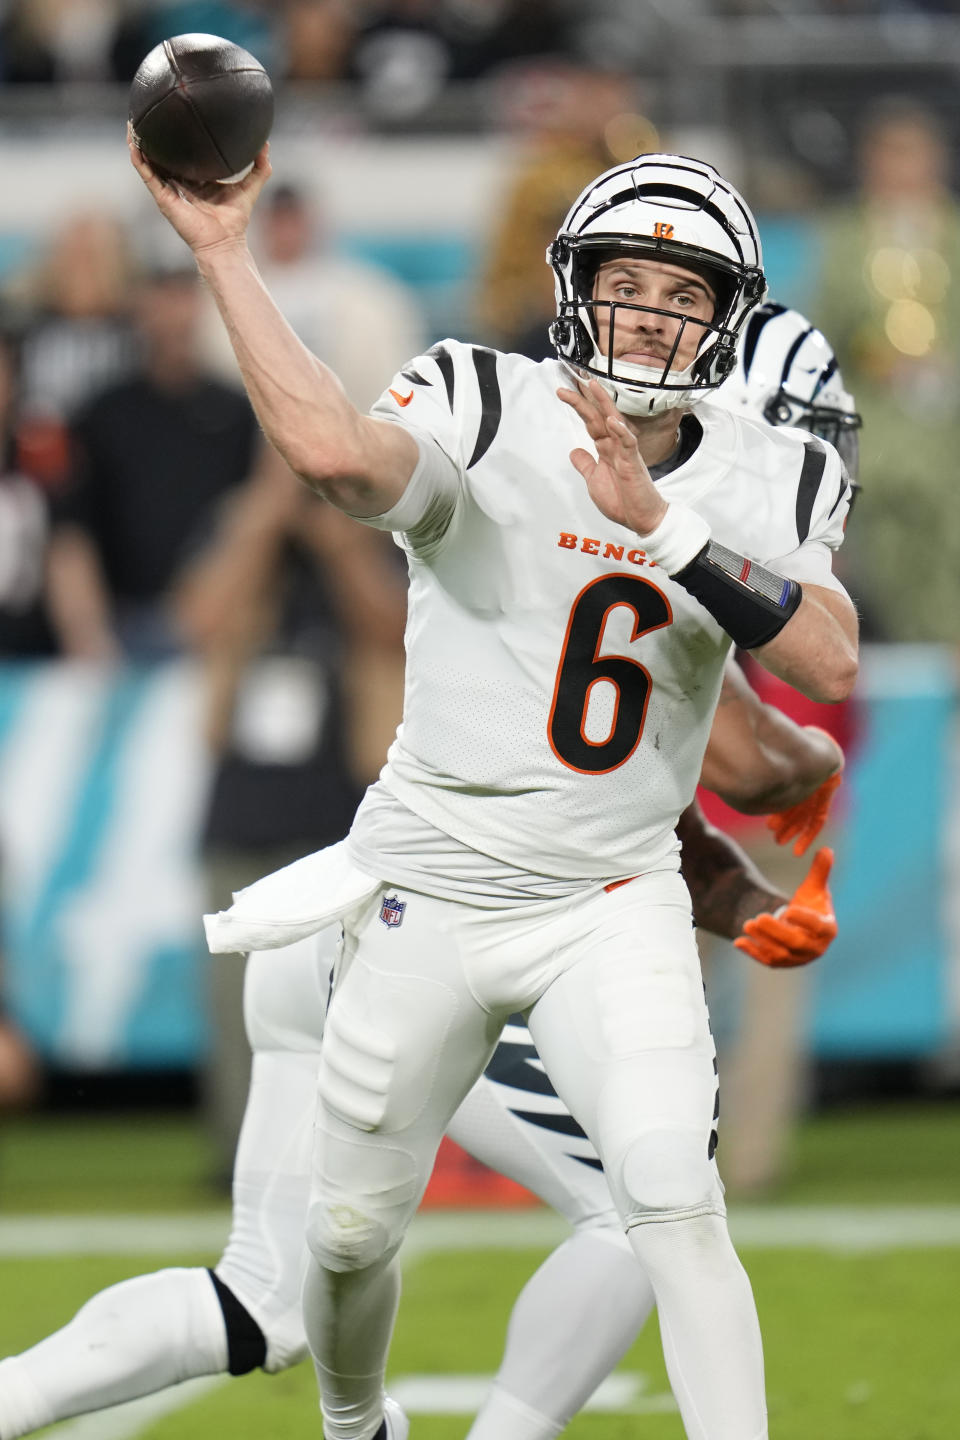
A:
(103, 784)
(885, 987)
(103, 781)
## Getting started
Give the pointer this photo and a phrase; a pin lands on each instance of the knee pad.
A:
(669, 1172)
(344, 1237)
(353, 1225)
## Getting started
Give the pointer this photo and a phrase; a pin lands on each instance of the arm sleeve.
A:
(425, 509)
(429, 398)
(823, 502)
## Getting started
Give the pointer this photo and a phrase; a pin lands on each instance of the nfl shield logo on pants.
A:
(391, 911)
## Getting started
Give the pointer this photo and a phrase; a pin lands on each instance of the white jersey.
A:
(560, 686)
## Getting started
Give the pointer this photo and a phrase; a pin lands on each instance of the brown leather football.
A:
(201, 108)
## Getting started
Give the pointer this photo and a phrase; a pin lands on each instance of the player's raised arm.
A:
(359, 464)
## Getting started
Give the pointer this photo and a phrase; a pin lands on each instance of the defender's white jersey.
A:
(560, 686)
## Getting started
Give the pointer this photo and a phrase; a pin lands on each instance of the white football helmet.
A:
(787, 374)
(656, 207)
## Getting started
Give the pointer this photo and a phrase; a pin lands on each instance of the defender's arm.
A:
(732, 898)
(759, 760)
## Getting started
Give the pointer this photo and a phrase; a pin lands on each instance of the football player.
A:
(585, 541)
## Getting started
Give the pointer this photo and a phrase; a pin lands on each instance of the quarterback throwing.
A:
(520, 844)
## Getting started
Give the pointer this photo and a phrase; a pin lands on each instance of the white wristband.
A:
(681, 535)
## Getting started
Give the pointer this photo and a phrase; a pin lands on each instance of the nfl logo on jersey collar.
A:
(391, 911)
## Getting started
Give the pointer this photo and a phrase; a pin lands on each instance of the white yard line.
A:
(847, 1228)
(621, 1394)
(28, 1236)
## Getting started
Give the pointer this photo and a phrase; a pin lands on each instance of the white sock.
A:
(572, 1322)
(708, 1324)
(349, 1320)
(130, 1340)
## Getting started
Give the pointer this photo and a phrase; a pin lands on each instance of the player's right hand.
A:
(208, 217)
(802, 930)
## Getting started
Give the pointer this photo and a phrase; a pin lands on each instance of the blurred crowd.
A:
(376, 42)
(402, 51)
(143, 520)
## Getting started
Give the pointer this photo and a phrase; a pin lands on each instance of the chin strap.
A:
(649, 398)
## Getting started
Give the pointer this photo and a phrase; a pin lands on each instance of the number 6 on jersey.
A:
(582, 667)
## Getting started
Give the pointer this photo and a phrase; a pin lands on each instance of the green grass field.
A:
(860, 1333)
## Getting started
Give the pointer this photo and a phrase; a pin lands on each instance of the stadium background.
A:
(104, 776)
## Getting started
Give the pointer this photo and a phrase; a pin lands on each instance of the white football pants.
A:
(615, 1003)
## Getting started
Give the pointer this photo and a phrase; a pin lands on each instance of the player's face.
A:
(669, 294)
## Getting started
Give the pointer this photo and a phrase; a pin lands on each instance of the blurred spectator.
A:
(42, 41)
(318, 38)
(254, 24)
(890, 301)
(299, 619)
(408, 50)
(355, 317)
(152, 456)
(576, 120)
(286, 601)
(24, 634)
(366, 324)
(77, 334)
(20, 1071)
(792, 9)
(24, 532)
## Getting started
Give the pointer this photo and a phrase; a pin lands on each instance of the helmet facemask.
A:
(677, 212)
(787, 374)
(645, 389)
(838, 426)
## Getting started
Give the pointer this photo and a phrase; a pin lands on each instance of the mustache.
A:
(653, 348)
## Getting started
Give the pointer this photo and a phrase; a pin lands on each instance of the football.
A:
(201, 108)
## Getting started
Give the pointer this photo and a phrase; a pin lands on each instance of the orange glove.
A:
(806, 820)
(802, 930)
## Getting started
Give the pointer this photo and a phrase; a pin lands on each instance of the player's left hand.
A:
(802, 823)
(618, 481)
(802, 930)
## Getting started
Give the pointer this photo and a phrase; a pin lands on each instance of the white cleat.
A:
(398, 1426)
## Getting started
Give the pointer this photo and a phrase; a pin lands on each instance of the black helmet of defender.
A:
(667, 208)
